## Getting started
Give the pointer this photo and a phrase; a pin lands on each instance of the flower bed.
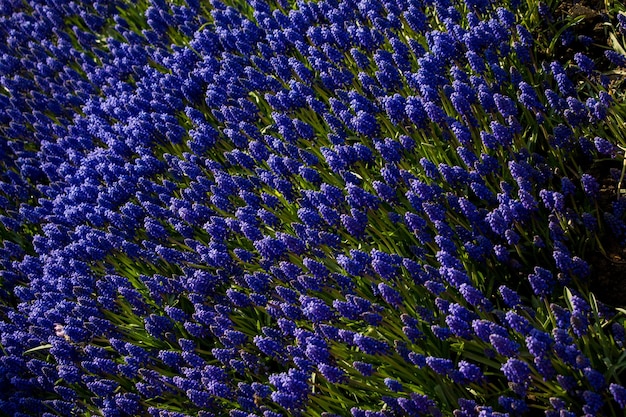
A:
(353, 208)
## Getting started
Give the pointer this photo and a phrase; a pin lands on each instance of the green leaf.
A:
(616, 45)
(35, 349)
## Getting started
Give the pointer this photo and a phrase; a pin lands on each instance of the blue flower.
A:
(459, 326)
(596, 379)
(292, 389)
(370, 345)
(565, 85)
(509, 296)
(621, 20)
(435, 287)
(390, 295)
(393, 385)
(102, 387)
(365, 369)
(516, 371)
(585, 64)
(356, 223)
(440, 365)
(332, 373)
(415, 111)
(318, 269)
(590, 185)
(619, 333)
(384, 265)
(315, 309)
(310, 217)
(504, 346)
(385, 192)
(471, 371)
(435, 113)
(474, 296)
(270, 347)
(460, 103)
(541, 281)
(484, 329)
(505, 105)
(616, 58)
(360, 199)
(605, 147)
(518, 323)
(619, 394)
(388, 76)
(365, 124)
(593, 402)
(442, 44)
(514, 406)
(528, 97)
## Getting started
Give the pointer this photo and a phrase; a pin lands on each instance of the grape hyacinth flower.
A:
(250, 207)
(516, 371)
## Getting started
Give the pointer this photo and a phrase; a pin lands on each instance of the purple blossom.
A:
(619, 334)
(390, 295)
(509, 296)
(393, 385)
(416, 112)
(318, 269)
(114, 177)
(270, 347)
(593, 402)
(459, 326)
(596, 379)
(384, 265)
(585, 64)
(616, 58)
(504, 346)
(621, 19)
(541, 281)
(516, 371)
(365, 124)
(565, 85)
(370, 345)
(518, 323)
(315, 309)
(505, 105)
(604, 146)
(361, 199)
(619, 394)
(395, 108)
(474, 296)
(365, 369)
(440, 365)
(291, 389)
(590, 185)
(514, 406)
(442, 45)
(471, 371)
(332, 373)
(355, 224)
(460, 103)
(385, 192)
(435, 287)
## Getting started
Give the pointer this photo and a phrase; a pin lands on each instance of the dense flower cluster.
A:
(271, 208)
